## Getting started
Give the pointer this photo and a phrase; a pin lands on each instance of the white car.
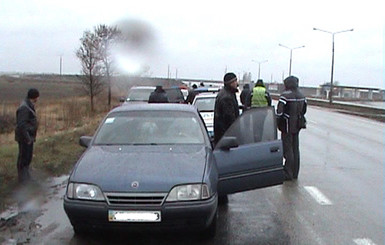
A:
(139, 94)
(205, 103)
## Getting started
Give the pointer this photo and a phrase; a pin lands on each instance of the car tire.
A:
(223, 200)
(211, 230)
(81, 230)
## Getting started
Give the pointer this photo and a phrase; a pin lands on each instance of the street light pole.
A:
(291, 55)
(332, 68)
(259, 67)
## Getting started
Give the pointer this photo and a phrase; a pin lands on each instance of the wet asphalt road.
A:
(338, 198)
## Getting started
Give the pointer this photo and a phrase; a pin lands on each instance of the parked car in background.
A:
(139, 93)
(152, 166)
(142, 94)
(205, 103)
(175, 95)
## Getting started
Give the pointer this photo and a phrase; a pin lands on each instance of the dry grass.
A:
(61, 123)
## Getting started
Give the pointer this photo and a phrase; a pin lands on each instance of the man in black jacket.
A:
(226, 108)
(291, 111)
(245, 94)
(158, 96)
(25, 133)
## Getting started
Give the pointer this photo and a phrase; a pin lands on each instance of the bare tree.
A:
(90, 60)
(108, 36)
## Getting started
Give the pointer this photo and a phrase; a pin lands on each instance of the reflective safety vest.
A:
(259, 97)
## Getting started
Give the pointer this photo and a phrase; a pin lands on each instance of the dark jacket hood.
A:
(291, 83)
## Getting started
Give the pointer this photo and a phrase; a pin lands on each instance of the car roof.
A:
(206, 95)
(207, 89)
(142, 87)
(154, 106)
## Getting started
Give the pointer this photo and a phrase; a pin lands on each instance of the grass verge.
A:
(54, 155)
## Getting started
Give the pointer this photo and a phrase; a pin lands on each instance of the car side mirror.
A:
(227, 142)
(85, 141)
(122, 99)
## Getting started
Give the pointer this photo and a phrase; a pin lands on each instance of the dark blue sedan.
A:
(152, 166)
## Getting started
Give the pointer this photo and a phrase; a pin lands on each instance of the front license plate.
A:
(134, 216)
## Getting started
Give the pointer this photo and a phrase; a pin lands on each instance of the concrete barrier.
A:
(345, 107)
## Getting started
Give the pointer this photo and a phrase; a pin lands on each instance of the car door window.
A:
(253, 126)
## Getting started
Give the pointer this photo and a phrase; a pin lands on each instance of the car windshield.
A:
(150, 128)
(205, 104)
(139, 94)
(174, 94)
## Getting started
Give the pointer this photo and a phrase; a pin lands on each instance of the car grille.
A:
(137, 199)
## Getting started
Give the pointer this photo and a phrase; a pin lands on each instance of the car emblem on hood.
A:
(135, 184)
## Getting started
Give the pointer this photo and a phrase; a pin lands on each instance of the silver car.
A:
(152, 166)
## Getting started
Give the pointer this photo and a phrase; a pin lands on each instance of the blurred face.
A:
(234, 84)
(34, 100)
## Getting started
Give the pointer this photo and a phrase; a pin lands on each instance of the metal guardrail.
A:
(345, 107)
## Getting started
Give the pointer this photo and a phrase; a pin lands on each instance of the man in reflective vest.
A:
(260, 97)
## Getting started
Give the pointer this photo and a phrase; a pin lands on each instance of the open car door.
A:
(249, 155)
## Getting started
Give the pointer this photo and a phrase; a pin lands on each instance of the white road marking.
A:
(318, 195)
(363, 241)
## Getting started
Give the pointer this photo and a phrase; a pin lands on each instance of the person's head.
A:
(194, 86)
(259, 83)
(291, 82)
(158, 88)
(33, 94)
(230, 80)
(202, 84)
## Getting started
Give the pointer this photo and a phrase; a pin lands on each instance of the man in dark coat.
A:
(158, 96)
(245, 94)
(191, 94)
(291, 111)
(226, 108)
(25, 133)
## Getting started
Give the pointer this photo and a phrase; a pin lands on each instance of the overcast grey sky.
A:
(201, 39)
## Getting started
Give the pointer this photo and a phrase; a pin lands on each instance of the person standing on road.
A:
(158, 95)
(245, 94)
(25, 133)
(260, 96)
(226, 108)
(291, 112)
(191, 94)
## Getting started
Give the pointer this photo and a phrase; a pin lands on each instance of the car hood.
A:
(155, 168)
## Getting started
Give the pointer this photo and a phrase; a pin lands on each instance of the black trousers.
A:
(291, 153)
(23, 161)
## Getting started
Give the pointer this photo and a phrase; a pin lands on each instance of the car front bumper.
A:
(181, 215)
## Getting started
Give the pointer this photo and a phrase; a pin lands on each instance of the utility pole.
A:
(259, 67)
(332, 69)
(61, 65)
(291, 54)
(168, 72)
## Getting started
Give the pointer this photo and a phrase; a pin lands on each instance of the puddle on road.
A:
(35, 211)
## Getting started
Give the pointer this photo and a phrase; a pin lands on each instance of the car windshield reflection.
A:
(205, 104)
(150, 128)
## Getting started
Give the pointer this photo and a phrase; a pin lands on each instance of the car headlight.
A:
(85, 192)
(189, 192)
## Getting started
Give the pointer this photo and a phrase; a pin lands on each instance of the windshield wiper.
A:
(144, 144)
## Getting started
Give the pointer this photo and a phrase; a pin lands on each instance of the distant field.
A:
(14, 89)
